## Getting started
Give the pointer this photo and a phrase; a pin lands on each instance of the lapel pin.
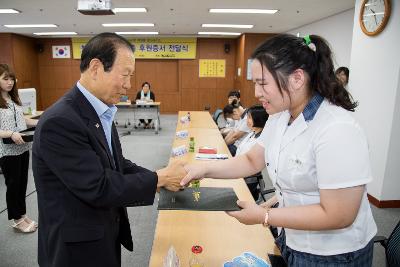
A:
(97, 125)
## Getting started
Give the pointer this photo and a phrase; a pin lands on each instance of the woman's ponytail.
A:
(284, 53)
(324, 80)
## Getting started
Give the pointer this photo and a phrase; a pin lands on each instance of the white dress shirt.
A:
(329, 151)
(241, 126)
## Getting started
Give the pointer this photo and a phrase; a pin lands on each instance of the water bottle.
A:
(191, 144)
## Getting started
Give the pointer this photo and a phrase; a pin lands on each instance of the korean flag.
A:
(61, 51)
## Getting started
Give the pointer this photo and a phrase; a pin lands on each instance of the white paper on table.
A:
(203, 156)
(182, 134)
(179, 151)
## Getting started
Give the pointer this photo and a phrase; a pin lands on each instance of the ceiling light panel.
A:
(219, 33)
(137, 33)
(243, 11)
(31, 26)
(128, 24)
(9, 11)
(129, 9)
(240, 26)
(54, 33)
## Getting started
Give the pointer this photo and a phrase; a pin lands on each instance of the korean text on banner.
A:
(151, 48)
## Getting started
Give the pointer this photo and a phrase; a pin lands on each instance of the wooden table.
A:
(150, 110)
(198, 119)
(33, 116)
(221, 236)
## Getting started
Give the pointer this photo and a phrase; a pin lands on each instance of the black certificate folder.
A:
(209, 199)
(27, 136)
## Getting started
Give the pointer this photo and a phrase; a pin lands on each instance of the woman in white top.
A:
(14, 158)
(316, 155)
(256, 119)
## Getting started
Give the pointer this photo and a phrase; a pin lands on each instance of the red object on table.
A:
(207, 150)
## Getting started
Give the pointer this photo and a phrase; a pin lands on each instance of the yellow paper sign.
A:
(165, 48)
(77, 46)
(151, 48)
(212, 68)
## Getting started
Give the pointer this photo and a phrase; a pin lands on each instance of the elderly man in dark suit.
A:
(83, 182)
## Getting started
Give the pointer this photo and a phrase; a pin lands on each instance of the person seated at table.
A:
(342, 74)
(225, 121)
(237, 134)
(234, 95)
(217, 116)
(256, 119)
(146, 95)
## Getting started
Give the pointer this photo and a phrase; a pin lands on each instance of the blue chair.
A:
(392, 246)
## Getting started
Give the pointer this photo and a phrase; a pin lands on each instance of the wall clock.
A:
(374, 15)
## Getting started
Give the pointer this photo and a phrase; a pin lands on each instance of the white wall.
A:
(374, 82)
(337, 30)
(391, 185)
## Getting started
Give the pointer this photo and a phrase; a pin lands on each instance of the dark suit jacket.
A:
(82, 188)
(139, 95)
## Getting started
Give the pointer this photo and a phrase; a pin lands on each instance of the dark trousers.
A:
(252, 183)
(232, 148)
(15, 171)
(253, 187)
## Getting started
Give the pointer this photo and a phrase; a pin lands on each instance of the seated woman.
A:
(146, 95)
(342, 74)
(256, 119)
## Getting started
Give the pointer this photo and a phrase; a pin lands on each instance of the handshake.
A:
(178, 174)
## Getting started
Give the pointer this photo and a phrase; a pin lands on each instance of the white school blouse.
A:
(247, 143)
(328, 152)
(242, 127)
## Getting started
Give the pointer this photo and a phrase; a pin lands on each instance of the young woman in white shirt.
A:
(14, 158)
(316, 155)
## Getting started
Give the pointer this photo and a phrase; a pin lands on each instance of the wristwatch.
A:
(266, 218)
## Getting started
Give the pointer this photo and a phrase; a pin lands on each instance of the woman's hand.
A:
(250, 214)
(170, 176)
(31, 122)
(194, 172)
(270, 202)
(17, 138)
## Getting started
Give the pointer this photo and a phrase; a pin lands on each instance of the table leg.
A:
(156, 125)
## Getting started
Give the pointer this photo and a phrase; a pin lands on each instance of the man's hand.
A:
(194, 172)
(251, 213)
(170, 176)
